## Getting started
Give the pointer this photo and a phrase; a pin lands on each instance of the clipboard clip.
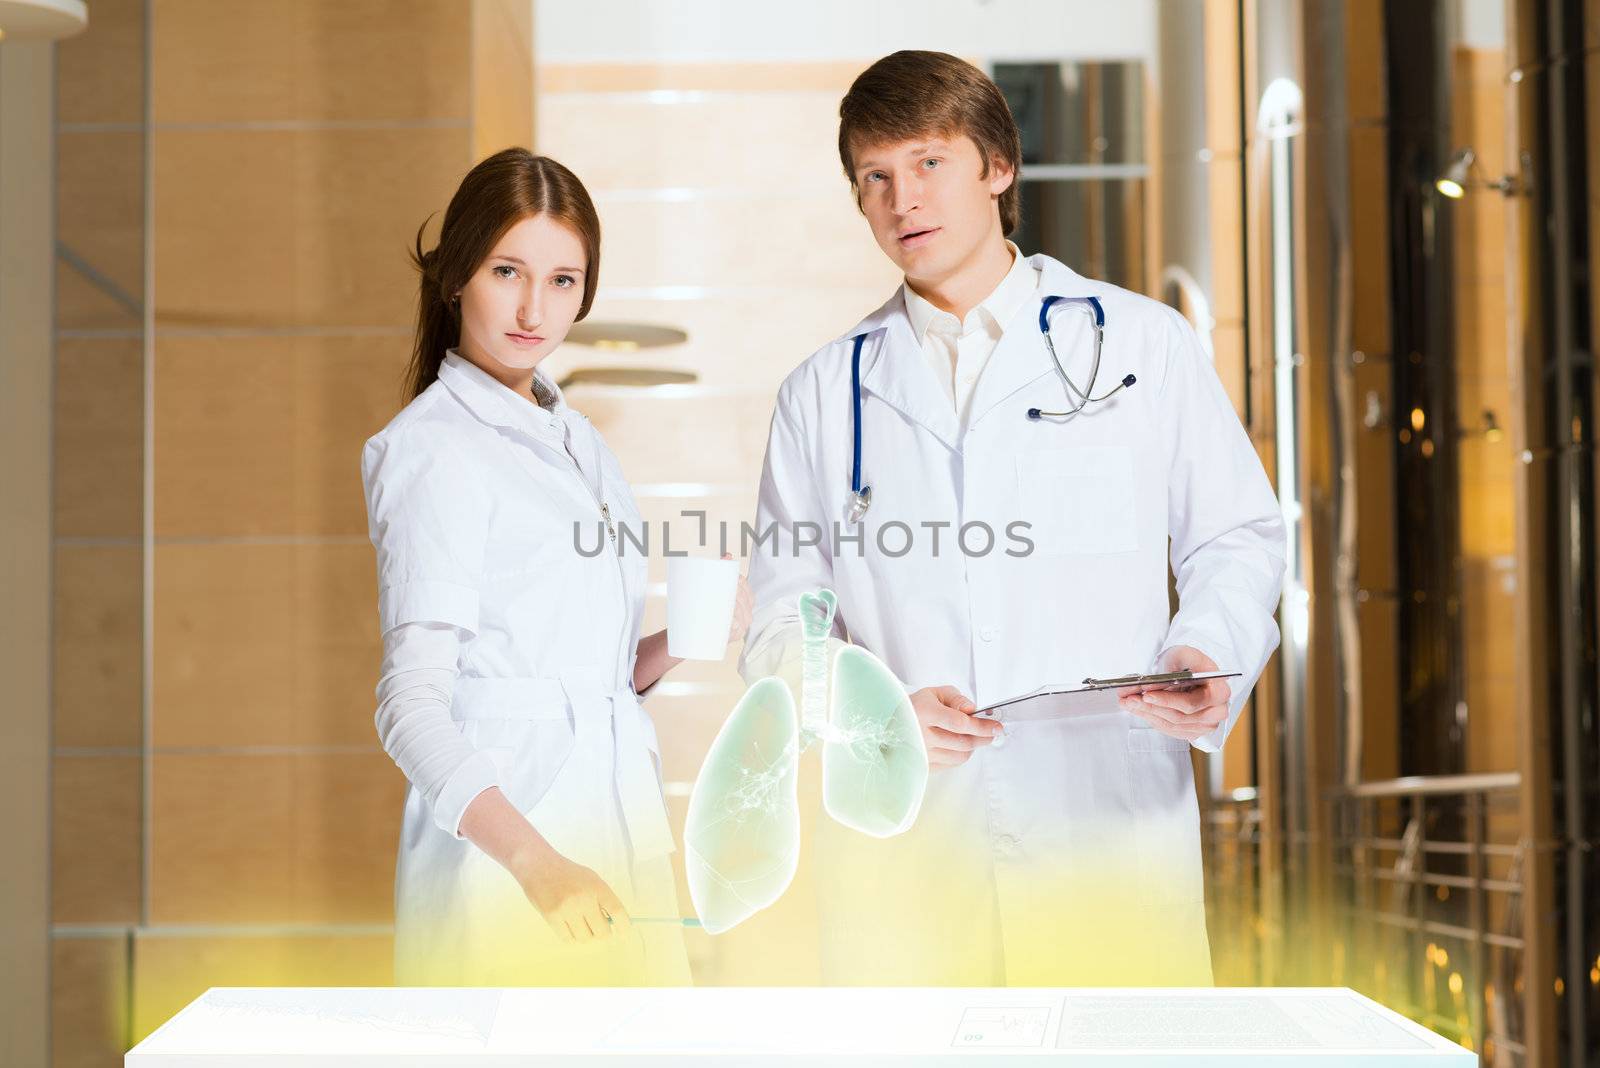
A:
(1141, 680)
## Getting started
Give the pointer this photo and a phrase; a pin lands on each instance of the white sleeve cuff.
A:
(1221, 651)
(474, 775)
(428, 602)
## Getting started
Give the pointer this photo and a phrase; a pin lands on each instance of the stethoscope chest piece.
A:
(860, 501)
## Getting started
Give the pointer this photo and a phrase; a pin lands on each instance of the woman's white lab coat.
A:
(1070, 853)
(478, 503)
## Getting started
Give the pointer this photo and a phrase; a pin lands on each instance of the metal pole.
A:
(1475, 905)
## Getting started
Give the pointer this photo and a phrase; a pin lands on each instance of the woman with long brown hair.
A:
(535, 830)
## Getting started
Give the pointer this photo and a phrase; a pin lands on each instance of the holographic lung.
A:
(741, 836)
(874, 766)
(742, 833)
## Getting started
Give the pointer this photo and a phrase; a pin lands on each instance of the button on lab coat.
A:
(473, 497)
(1071, 852)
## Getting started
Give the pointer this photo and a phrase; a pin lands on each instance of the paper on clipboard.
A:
(1098, 697)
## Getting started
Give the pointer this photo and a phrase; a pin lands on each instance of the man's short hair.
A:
(911, 94)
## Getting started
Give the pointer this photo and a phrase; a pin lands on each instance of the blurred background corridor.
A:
(1381, 217)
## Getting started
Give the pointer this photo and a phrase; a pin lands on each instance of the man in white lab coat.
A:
(1003, 552)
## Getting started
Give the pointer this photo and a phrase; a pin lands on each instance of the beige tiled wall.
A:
(222, 811)
(254, 433)
(363, 62)
(97, 644)
(98, 466)
(95, 837)
(297, 227)
(99, 418)
(280, 837)
(100, 183)
(264, 643)
(295, 149)
(91, 982)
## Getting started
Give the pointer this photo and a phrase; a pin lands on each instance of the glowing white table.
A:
(737, 1026)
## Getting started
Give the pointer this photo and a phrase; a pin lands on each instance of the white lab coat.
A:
(473, 494)
(1070, 853)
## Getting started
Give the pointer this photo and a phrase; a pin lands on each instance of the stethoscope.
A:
(861, 496)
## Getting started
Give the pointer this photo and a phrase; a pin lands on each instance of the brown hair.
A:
(917, 94)
(498, 193)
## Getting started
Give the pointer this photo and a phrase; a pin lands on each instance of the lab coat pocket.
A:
(1079, 501)
(1166, 815)
(532, 757)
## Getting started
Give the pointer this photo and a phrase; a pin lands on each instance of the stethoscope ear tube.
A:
(1127, 380)
(1093, 303)
(1082, 398)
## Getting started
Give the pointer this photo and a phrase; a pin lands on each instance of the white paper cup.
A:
(700, 598)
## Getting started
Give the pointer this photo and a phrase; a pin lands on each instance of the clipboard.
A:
(1094, 697)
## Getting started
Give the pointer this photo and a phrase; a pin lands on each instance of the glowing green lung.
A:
(742, 832)
(874, 765)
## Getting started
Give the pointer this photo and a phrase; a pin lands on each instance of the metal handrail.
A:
(1381, 842)
(1389, 876)
(1429, 785)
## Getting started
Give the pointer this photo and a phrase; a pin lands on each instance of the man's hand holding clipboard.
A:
(1167, 699)
(1190, 713)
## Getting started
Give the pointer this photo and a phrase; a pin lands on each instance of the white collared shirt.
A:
(958, 351)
